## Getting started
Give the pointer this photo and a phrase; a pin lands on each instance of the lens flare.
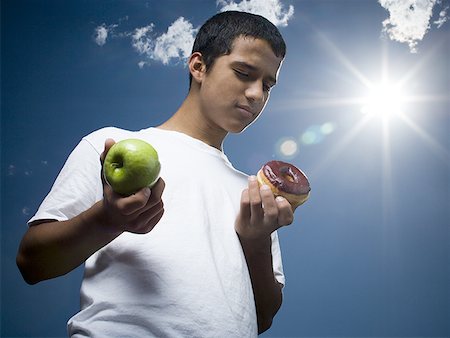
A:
(327, 128)
(316, 133)
(287, 147)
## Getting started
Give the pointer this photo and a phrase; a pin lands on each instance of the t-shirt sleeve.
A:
(276, 259)
(77, 187)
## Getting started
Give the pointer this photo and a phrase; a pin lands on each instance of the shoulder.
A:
(102, 134)
(97, 138)
(238, 174)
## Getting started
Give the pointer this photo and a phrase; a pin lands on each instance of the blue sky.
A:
(368, 254)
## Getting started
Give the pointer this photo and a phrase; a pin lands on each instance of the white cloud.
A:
(409, 20)
(174, 45)
(443, 18)
(26, 211)
(271, 9)
(100, 35)
(11, 170)
(142, 40)
(103, 32)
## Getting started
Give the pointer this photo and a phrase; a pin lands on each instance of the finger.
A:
(147, 215)
(285, 213)
(157, 190)
(255, 199)
(151, 204)
(270, 205)
(244, 212)
(133, 203)
(148, 220)
(109, 142)
(155, 196)
(155, 220)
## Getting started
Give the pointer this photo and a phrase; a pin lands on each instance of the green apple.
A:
(131, 165)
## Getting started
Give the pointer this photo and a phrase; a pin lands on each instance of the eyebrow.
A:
(250, 67)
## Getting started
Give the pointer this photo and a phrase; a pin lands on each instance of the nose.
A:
(255, 92)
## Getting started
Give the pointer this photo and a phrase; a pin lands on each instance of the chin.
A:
(237, 129)
(243, 128)
(239, 126)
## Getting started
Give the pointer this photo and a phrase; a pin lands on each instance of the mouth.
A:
(246, 110)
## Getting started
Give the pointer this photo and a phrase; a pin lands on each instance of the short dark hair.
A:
(217, 34)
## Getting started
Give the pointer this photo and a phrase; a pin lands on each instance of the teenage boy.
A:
(206, 262)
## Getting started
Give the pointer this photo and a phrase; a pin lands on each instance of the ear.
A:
(197, 67)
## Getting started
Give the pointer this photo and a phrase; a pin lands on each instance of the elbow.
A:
(264, 324)
(265, 316)
(26, 275)
(29, 275)
(265, 320)
(26, 259)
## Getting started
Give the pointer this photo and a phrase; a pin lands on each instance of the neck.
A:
(189, 120)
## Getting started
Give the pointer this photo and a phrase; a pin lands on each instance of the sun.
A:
(390, 99)
(384, 100)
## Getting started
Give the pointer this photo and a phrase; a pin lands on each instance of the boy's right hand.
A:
(138, 213)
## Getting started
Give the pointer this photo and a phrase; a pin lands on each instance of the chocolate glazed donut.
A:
(285, 180)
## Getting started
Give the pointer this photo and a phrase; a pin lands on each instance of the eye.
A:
(241, 73)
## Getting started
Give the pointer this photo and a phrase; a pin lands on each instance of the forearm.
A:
(55, 248)
(266, 289)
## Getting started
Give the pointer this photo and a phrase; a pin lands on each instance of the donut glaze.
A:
(285, 179)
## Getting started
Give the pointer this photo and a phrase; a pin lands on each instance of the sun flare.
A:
(384, 100)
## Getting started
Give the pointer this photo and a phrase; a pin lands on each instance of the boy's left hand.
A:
(261, 213)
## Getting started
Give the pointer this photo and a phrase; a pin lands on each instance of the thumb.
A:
(109, 142)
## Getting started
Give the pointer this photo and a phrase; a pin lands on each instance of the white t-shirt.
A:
(186, 278)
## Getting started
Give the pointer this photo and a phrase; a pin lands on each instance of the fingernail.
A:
(147, 192)
(252, 178)
(265, 187)
(279, 199)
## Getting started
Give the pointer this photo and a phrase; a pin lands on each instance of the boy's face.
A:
(235, 90)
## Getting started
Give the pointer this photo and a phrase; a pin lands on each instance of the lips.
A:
(246, 109)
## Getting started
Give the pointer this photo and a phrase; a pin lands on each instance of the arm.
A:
(50, 248)
(254, 226)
